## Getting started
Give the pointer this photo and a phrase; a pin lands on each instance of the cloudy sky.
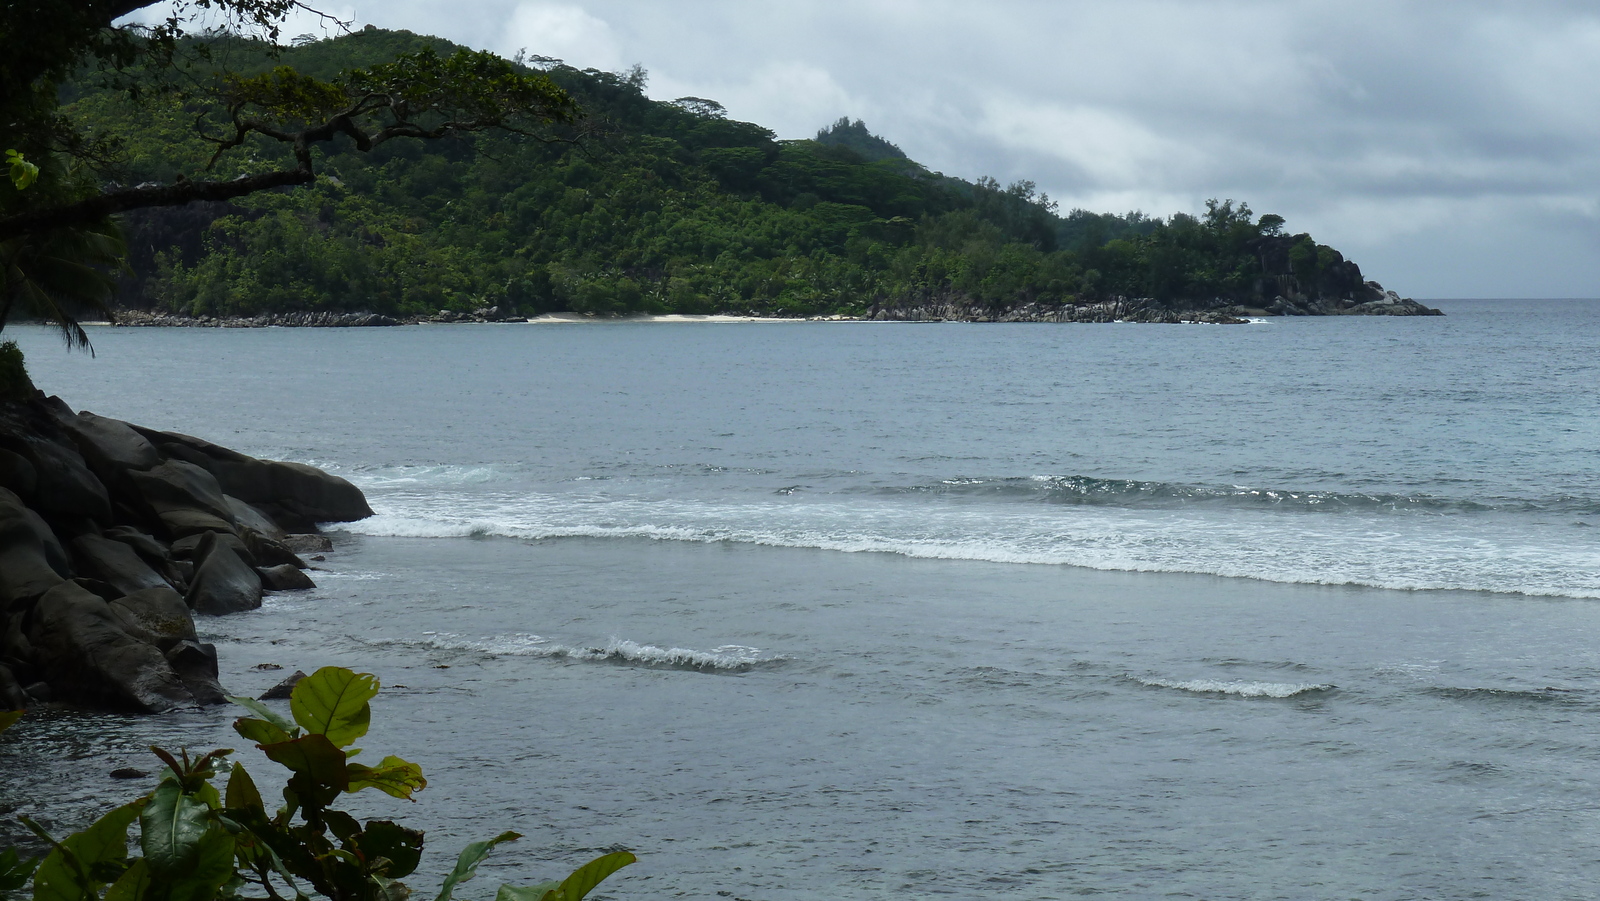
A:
(1449, 148)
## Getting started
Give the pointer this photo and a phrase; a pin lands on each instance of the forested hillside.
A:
(666, 207)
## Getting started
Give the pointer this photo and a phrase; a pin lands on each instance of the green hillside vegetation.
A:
(672, 207)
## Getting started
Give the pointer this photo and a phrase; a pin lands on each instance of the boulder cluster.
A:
(113, 536)
(1370, 300)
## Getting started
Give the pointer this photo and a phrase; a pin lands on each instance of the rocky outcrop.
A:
(1370, 300)
(321, 319)
(114, 536)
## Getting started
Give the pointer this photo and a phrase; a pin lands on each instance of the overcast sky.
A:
(1449, 148)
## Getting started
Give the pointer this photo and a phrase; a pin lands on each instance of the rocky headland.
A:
(1372, 300)
(113, 537)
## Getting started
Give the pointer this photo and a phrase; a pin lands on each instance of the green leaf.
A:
(333, 701)
(171, 829)
(585, 878)
(66, 873)
(527, 892)
(14, 871)
(314, 756)
(266, 713)
(394, 777)
(402, 847)
(23, 173)
(242, 791)
(133, 885)
(211, 867)
(467, 864)
(9, 718)
(261, 732)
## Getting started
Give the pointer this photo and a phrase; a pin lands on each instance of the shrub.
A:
(14, 381)
(201, 844)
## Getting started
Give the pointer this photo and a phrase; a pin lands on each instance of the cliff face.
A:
(113, 536)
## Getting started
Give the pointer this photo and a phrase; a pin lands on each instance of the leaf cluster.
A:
(197, 843)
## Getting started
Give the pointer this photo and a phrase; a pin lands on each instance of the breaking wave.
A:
(1241, 689)
(725, 659)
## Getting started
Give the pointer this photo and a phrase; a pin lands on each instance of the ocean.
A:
(1299, 609)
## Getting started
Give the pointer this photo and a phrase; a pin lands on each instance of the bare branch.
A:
(100, 206)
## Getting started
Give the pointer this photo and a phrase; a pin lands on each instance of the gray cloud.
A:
(1449, 148)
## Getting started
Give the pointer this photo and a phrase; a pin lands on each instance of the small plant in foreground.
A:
(200, 844)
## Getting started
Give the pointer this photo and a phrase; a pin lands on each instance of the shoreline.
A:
(1118, 310)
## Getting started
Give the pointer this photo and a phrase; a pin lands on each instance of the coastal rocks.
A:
(223, 582)
(322, 319)
(113, 537)
(86, 657)
(1370, 300)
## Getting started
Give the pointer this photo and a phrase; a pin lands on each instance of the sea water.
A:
(1298, 609)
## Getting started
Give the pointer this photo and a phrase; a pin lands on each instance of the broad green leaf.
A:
(391, 889)
(393, 776)
(585, 878)
(171, 829)
(467, 864)
(9, 718)
(133, 885)
(260, 731)
(242, 791)
(23, 173)
(526, 892)
(333, 701)
(212, 866)
(402, 847)
(315, 756)
(265, 712)
(14, 871)
(66, 872)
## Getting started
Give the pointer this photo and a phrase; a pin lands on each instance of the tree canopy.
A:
(262, 126)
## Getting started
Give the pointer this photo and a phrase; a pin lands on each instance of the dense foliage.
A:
(675, 208)
(201, 844)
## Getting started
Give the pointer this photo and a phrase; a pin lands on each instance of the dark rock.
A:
(156, 616)
(54, 553)
(184, 497)
(86, 657)
(304, 543)
(115, 562)
(17, 474)
(285, 577)
(110, 446)
(128, 772)
(223, 583)
(147, 547)
(196, 665)
(39, 692)
(67, 490)
(268, 552)
(25, 570)
(196, 547)
(14, 644)
(101, 589)
(283, 690)
(317, 496)
(248, 517)
(11, 694)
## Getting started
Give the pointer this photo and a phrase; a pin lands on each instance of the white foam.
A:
(1375, 550)
(617, 650)
(1241, 689)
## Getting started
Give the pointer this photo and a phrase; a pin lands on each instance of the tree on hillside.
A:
(55, 201)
